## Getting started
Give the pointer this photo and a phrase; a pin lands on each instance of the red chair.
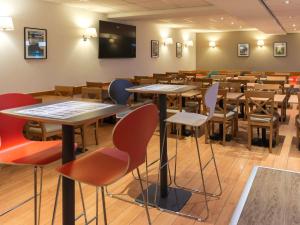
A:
(15, 149)
(105, 166)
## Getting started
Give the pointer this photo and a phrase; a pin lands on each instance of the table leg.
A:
(68, 187)
(169, 199)
(163, 145)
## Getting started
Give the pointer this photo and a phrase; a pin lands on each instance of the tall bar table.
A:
(170, 199)
(69, 114)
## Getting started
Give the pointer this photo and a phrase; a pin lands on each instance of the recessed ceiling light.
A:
(290, 17)
(294, 25)
(287, 2)
(232, 23)
(222, 18)
(241, 27)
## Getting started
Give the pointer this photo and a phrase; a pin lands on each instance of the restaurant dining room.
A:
(149, 112)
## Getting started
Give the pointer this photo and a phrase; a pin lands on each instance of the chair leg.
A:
(271, 139)
(83, 204)
(249, 136)
(103, 206)
(224, 133)
(145, 197)
(37, 206)
(56, 200)
(202, 178)
(217, 172)
(96, 134)
(40, 199)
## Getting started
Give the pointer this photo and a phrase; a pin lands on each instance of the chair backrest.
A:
(133, 133)
(210, 99)
(117, 91)
(91, 92)
(259, 104)
(281, 78)
(147, 81)
(231, 86)
(94, 84)
(64, 90)
(11, 128)
(267, 87)
(207, 82)
(219, 77)
(248, 78)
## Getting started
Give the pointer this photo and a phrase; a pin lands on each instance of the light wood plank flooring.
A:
(234, 161)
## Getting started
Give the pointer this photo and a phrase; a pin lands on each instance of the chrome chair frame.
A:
(36, 194)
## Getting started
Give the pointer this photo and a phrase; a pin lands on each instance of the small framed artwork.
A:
(243, 50)
(154, 49)
(280, 49)
(178, 49)
(35, 43)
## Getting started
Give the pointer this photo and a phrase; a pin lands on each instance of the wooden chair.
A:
(260, 114)
(42, 131)
(67, 91)
(281, 78)
(207, 82)
(45, 131)
(222, 115)
(91, 93)
(278, 82)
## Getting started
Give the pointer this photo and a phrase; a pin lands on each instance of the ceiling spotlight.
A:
(232, 23)
(290, 17)
(287, 2)
(294, 25)
(241, 27)
(222, 18)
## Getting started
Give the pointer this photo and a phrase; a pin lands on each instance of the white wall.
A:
(70, 60)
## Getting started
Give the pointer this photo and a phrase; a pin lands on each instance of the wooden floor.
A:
(235, 163)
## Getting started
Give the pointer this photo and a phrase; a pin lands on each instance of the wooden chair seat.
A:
(221, 115)
(49, 128)
(261, 120)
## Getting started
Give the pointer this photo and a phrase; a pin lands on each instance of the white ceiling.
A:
(269, 16)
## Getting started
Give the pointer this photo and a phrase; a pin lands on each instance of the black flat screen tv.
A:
(116, 40)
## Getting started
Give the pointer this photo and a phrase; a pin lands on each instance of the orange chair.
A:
(15, 149)
(105, 166)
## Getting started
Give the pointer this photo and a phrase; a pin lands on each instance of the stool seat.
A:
(37, 153)
(189, 119)
(100, 168)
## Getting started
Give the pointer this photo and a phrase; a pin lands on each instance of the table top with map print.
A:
(65, 112)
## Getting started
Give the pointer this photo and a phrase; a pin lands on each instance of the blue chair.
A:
(117, 91)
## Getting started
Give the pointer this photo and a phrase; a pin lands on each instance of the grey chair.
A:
(196, 121)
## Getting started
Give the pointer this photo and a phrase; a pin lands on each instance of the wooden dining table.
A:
(69, 114)
(169, 199)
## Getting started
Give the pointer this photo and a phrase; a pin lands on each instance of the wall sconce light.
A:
(212, 44)
(90, 32)
(6, 23)
(260, 43)
(168, 41)
(188, 43)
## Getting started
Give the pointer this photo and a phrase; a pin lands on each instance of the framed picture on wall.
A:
(178, 49)
(35, 43)
(154, 49)
(280, 49)
(243, 49)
